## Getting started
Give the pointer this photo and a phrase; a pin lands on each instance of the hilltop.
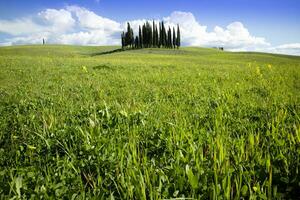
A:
(95, 122)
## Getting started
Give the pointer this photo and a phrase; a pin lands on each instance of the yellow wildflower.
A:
(269, 66)
(84, 69)
(255, 189)
(258, 71)
(31, 147)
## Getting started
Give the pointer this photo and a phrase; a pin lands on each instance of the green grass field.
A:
(148, 124)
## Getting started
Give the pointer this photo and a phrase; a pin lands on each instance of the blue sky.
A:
(273, 20)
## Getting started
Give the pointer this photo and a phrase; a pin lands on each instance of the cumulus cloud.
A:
(78, 25)
(95, 37)
(89, 20)
(234, 37)
(49, 20)
(19, 26)
(290, 49)
(71, 25)
(56, 20)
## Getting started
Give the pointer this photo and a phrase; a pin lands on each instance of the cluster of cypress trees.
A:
(151, 36)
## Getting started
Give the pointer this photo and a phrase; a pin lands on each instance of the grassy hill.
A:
(148, 124)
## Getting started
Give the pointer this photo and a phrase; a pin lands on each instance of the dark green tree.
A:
(123, 40)
(174, 38)
(144, 35)
(127, 35)
(140, 38)
(153, 34)
(132, 38)
(150, 36)
(136, 42)
(156, 36)
(169, 43)
(164, 35)
(178, 37)
(160, 35)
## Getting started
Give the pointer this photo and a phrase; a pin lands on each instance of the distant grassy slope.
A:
(53, 50)
(148, 124)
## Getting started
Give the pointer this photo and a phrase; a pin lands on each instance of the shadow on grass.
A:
(108, 52)
(113, 51)
(104, 66)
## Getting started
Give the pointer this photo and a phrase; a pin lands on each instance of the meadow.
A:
(192, 123)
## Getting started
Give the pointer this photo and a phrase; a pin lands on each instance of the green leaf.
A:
(244, 190)
(285, 180)
(191, 177)
(263, 196)
(18, 185)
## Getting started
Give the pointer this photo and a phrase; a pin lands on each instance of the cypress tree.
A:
(132, 38)
(140, 38)
(128, 35)
(136, 42)
(148, 33)
(150, 36)
(169, 38)
(174, 38)
(144, 35)
(153, 34)
(156, 35)
(163, 34)
(123, 40)
(160, 35)
(178, 37)
(166, 37)
(167, 43)
(126, 39)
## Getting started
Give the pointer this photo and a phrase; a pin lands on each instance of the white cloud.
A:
(290, 49)
(71, 25)
(32, 39)
(19, 26)
(89, 20)
(94, 37)
(235, 36)
(56, 20)
(49, 20)
(78, 25)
